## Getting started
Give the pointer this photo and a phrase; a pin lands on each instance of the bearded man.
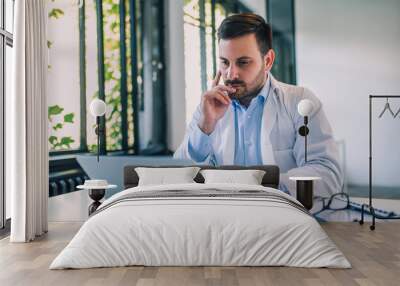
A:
(252, 119)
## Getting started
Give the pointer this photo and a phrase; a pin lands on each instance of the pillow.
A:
(163, 176)
(249, 177)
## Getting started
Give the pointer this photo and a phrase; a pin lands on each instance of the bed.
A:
(198, 224)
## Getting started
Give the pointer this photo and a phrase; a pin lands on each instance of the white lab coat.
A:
(280, 142)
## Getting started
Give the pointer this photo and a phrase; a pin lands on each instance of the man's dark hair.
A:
(247, 23)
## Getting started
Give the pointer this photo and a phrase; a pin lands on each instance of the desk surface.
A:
(304, 178)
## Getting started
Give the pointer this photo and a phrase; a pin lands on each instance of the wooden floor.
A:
(374, 255)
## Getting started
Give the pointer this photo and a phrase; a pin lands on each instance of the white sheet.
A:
(200, 231)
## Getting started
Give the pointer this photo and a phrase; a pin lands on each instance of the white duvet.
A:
(200, 231)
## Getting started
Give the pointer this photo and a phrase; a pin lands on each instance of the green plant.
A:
(59, 143)
(56, 13)
(92, 148)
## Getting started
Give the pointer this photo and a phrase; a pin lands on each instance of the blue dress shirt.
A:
(247, 132)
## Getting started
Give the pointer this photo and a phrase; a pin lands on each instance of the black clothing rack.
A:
(371, 208)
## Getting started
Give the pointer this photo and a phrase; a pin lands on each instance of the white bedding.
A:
(184, 231)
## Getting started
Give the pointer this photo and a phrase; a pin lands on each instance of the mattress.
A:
(201, 225)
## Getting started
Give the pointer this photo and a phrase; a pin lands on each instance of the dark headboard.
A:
(270, 179)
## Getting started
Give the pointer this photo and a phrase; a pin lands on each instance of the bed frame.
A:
(270, 179)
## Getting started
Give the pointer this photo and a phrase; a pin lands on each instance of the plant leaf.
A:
(53, 140)
(56, 13)
(67, 141)
(58, 126)
(114, 26)
(69, 117)
(93, 148)
(54, 110)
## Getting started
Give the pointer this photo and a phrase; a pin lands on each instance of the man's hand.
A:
(214, 104)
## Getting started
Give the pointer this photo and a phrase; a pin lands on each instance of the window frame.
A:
(278, 38)
(6, 39)
(134, 94)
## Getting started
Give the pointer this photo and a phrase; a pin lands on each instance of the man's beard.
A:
(242, 94)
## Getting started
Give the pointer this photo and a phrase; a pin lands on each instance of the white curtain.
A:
(26, 117)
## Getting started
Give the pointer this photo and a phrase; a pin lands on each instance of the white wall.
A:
(346, 50)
